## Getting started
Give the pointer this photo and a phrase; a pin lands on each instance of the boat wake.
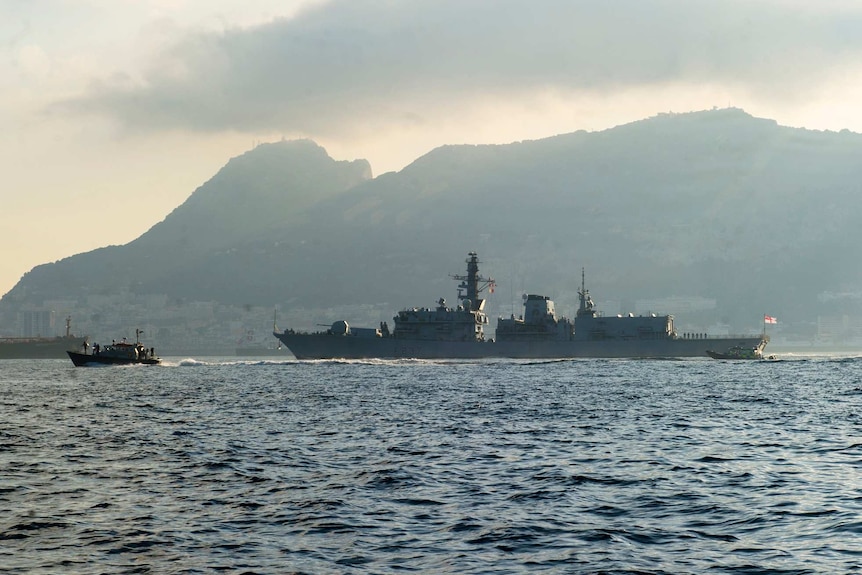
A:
(192, 362)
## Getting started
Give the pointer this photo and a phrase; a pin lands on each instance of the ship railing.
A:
(702, 336)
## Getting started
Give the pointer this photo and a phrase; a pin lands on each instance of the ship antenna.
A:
(584, 296)
(583, 293)
(473, 282)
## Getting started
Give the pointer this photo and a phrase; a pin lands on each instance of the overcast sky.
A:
(114, 111)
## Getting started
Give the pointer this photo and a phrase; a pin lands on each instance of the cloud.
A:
(359, 61)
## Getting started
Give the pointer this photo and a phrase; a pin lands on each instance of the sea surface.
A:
(220, 465)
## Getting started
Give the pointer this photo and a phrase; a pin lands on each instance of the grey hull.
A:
(40, 348)
(327, 346)
(83, 359)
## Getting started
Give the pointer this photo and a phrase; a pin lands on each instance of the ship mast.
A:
(473, 283)
(586, 307)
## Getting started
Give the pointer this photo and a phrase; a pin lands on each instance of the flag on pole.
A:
(769, 319)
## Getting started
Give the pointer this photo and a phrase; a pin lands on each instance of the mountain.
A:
(248, 199)
(716, 204)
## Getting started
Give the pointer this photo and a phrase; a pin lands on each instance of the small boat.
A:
(118, 353)
(737, 352)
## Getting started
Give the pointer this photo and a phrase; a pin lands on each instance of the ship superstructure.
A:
(540, 323)
(464, 322)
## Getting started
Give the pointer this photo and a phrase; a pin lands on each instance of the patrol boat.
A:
(118, 353)
(458, 332)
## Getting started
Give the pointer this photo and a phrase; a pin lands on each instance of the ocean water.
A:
(584, 466)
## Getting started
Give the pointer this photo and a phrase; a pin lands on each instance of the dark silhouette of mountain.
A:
(719, 204)
(253, 195)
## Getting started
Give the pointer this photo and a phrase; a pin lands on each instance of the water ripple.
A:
(585, 466)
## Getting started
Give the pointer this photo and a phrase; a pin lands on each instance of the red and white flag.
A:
(769, 319)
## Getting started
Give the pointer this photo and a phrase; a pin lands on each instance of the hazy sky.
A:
(114, 111)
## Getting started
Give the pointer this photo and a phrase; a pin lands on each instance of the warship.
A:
(40, 347)
(458, 332)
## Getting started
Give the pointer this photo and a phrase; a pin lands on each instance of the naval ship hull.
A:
(330, 346)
